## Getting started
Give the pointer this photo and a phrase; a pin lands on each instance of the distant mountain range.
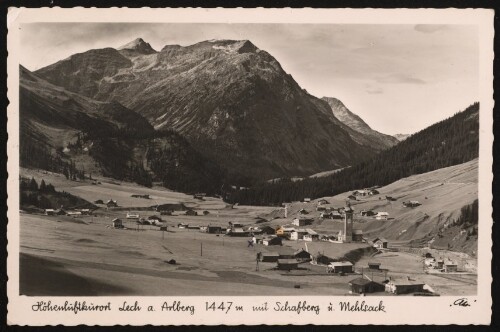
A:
(231, 101)
(401, 137)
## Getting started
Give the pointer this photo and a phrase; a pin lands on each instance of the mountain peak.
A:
(138, 45)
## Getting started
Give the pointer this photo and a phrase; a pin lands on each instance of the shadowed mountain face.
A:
(232, 101)
(368, 136)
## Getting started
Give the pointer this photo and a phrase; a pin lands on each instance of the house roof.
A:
(301, 250)
(287, 261)
(116, 219)
(334, 264)
(381, 239)
(311, 232)
(360, 281)
(270, 254)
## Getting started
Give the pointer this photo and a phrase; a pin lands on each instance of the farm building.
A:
(374, 265)
(270, 257)
(357, 235)
(288, 264)
(340, 267)
(323, 202)
(450, 266)
(99, 201)
(368, 213)
(85, 211)
(323, 260)
(238, 231)
(363, 286)
(302, 255)
(310, 235)
(404, 286)
(382, 216)
(320, 208)
(74, 213)
(199, 195)
(284, 231)
(117, 223)
(380, 243)
(111, 203)
(191, 213)
(158, 218)
(360, 193)
(303, 211)
(214, 229)
(440, 264)
(351, 197)
(272, 241)
(307, 200)
(140, 196)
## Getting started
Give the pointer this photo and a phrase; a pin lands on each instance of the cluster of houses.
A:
(63, 212)
(443, 265)
(366, 285)
(355, 195)
(110, 203)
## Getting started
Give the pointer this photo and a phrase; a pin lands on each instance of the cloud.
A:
(375, 91)
(400, 78)
(429, 28)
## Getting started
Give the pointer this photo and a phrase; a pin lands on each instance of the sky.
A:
(398, 78)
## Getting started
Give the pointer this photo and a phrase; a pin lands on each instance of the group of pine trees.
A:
(449, 142)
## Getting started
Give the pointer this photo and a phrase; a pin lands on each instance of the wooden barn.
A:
(363, 286)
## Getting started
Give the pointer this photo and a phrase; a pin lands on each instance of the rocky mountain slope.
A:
(353, 121)
(232, 101)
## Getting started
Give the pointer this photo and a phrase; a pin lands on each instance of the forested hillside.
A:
(449, 142)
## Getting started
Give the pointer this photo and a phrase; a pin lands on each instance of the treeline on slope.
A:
(45, 196)
(449, 142)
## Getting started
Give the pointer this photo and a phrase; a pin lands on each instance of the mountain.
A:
(401, 137)
(232, 101)
(449, 142)
(65, 132)
(378, 140)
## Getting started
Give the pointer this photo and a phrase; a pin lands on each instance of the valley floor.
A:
(61, 255)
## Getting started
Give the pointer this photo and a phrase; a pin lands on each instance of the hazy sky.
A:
(398, 78)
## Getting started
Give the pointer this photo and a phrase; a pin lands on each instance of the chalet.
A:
(133, 215)
(284, 231)
(297, 234)
(310, 235)
(140, 196)
(214, 229)
(323, 202)
(303, 211)
(351, 197)
(191, 212)
(440, 264)
(404, 286)
(111, 203)
(340, 267)
(85, 211)
(288, 264)
(323, 260)
(307, 200)
(50, 212)
(302, 221)
(360, 193)
(363, 286)
(117, 223)
(199, 195)
(390, 198)
(270, 257)
(182, 225)
(60, 212)
(272, 241)
(99, 201)
(450, 266)
(193, 227)
(302, 255)
(374, 266)
(380, 243)
(357, 235)
(320, 208)
(203, 229)
(382, 216)
(368, 213)
(372, 192)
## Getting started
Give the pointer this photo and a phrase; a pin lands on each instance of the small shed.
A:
(374, 265)
(380, 243)
(340, 267)
(288, 264)
(270, 257)
(117, 223)
(450, 267)
(363, 286)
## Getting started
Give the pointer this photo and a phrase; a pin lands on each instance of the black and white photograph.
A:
(249, 159)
